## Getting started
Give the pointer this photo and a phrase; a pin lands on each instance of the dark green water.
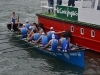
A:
(29, 61)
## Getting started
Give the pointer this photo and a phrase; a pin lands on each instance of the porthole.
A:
(82, 31)
(72, 29)
(92, 33)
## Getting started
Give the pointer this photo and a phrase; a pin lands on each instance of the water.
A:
(29, 61)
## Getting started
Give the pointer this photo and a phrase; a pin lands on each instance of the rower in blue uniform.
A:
(40, 30)
(53, 42)
(43, 38)
(55, 33)
(62, 40)
(24, 31)
(14, 20)
(34, 27)
(49, 33)
(65, 45)
(36, 36)
(27, 25)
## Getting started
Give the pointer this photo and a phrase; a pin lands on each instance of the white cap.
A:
(51, 27)
(27, 21)
(30, 27)
(53, 36)
(24, 24)
(43, 33)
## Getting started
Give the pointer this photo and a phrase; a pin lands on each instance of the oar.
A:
(14, 50)
(13, 47)
(18, 18)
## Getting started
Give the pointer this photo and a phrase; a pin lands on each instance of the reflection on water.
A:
(29, 61)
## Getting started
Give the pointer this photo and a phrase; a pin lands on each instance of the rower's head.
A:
(68, 39)
(34, 24)
(51, 29)
(27, 21)
(23, 25)
(13, 13)
(39, 27)
(34, 31)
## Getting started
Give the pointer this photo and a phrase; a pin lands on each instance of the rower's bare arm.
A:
(36, 29)
(59, 32)
(38, 39)
(59, 43)
(13, 17)
(40, 32)
(32, 36)
(47, 44)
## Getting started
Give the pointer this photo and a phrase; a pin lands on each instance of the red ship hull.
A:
(84, 40)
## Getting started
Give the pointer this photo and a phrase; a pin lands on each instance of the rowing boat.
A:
(75, 57)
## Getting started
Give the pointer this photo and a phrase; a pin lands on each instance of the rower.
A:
(49, 33)
(27, 25)
(40, 30)
(65, 45)
(35, 36)
(55, 33)
(53, 42)
(33, 26)
(30, 32)
(23, 31)
(14, 20)
(61, 40)
(31, 37)
(43, 38)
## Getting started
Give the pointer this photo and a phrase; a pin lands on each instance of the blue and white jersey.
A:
(32, 27)
(56, 37)
(44, 40)
(49, 35)
(36, 36)
(13, 20)
(66, 45)
(54, 44)
(27, 26)
(24, 31)
(62, 42)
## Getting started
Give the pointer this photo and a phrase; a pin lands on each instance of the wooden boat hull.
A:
(74, 57)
